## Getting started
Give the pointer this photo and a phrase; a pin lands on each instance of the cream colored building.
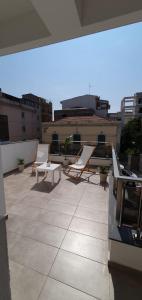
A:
(90, 128)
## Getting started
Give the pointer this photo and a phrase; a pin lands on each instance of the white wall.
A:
(87, 101)
(11, 152)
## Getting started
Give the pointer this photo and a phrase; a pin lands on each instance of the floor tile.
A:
(32, 254)
(55, 290)
(26, 284)
(12, 239)
(55, 218)
(47, 234)
(90, 228)
(92, 214)
(81, 273)
(65, 199)
(61, 207)
(38, 231)
(94, 203)
(37, 200)
(86, 246)
(27, 211)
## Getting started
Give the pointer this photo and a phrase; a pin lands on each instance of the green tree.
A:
(131, 137)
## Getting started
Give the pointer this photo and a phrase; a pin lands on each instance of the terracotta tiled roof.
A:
(79, 119)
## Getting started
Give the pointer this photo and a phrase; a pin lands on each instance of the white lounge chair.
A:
(41, 157)
(81, 164)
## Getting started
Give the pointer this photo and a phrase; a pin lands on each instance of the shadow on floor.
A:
(44, 186)
(126, 284)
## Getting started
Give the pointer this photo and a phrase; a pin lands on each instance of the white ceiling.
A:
(26, 24)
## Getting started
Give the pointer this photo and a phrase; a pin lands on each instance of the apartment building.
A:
(82, 106)
(45, 106)
(20, 118)
(131, 107)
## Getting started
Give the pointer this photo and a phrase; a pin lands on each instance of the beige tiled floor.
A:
(57, 241)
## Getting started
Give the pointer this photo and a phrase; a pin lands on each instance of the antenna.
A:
(90, 86)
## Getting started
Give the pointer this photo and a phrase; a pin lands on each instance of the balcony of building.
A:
(70, 240)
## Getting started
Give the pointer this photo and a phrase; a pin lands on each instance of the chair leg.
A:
(33, 168)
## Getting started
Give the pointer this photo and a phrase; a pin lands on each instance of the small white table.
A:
(48, 168)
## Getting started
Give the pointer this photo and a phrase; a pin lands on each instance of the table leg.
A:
(60, 173)
(52, 178)
(36, 175)
(45, 175)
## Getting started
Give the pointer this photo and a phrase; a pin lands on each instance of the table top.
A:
(45, 167)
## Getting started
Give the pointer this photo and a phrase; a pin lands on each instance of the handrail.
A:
(117, 173)
(81, 141)
(115, 164)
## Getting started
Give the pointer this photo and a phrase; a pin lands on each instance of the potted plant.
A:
(66, 147)
(103, 174)
(20, 162)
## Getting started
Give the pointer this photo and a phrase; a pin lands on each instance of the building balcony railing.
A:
(127, 192)
(102, 149)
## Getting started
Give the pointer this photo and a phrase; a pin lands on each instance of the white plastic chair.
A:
(42, 156)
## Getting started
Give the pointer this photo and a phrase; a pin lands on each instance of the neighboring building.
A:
(99, 107)
(82, 128)
(46, 106)
(20, 118)
(131, 107)
(71, 112)
(115, 116)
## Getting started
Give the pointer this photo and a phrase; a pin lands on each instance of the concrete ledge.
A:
(125, 255)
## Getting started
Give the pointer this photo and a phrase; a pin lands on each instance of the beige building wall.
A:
(16, 124)
(88, 132)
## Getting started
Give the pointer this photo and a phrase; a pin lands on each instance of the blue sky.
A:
(110, 61)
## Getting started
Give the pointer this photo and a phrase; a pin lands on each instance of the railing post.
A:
(119, 197)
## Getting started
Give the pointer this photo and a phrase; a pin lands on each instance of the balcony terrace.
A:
(58, 241)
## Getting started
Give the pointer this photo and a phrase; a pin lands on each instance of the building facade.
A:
(91, 129)
(131, 107)
(100, 107)
(45, 106)
(115, 116)
(20, 118)
(71, 112)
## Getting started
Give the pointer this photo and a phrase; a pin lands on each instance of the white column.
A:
(2, 196)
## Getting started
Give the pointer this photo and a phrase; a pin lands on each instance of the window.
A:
(140, 101)
(4, 130)
(22, 114)
(23, 128)
(76, 138)
(55, 138)
(55, 147)
(101, 139)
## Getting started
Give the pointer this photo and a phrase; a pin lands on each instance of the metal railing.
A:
(128, 193)
(102, 149)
